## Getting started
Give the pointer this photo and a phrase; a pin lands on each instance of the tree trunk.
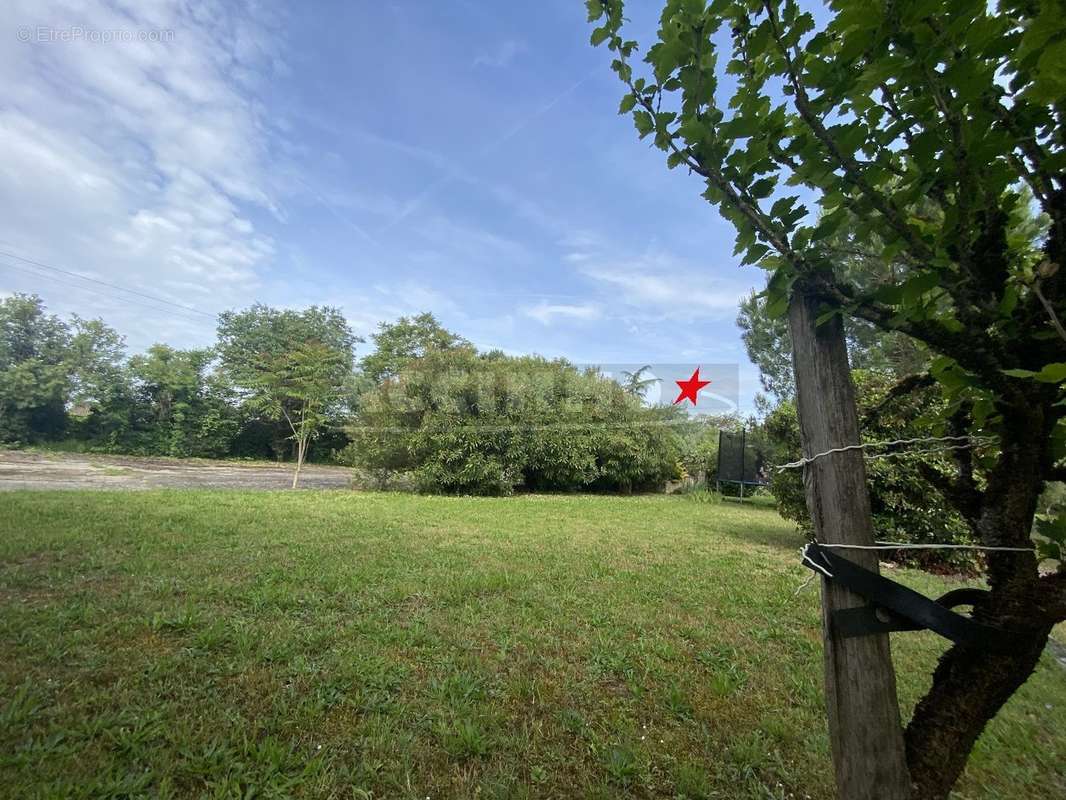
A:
(969, 688)
(971, 685)
(300, 447)
(860, 683)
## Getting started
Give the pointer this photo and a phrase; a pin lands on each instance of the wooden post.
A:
(860, 683)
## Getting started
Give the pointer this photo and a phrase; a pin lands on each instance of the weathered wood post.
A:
(860, 682)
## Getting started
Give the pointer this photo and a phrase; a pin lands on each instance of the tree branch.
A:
(851, 167)
(962, 347)
(1039, 180)
(747, 206)
(903, 386)
(963, 498)
(1050, 310)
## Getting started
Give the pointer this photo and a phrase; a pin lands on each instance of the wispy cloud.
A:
(457, 171)
(546, 313)
(502, 54)
(141, 160)
(656, 281)
(685, 293)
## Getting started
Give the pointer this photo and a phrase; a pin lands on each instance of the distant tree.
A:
(769, 346)
(635, 383)
(179, 409)
(397, 343)
(288, 365)
(95, 361)
(34, 375)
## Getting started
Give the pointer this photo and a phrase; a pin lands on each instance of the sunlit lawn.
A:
(336, 644)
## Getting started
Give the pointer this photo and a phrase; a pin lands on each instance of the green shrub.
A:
(905, 507)
(466, 423)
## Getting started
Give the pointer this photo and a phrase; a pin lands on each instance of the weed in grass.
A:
(677, 702)
(692, 781)
(178, 621)
(726, 681)
(464, 738)
(458, 689)
(572, 721)
(621, 765)
(21, 707)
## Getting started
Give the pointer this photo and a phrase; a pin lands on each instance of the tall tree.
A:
(95, 356)
(920, 126)
(769, 347)
(34, 374)
(289, 365)
(180, 409)
(409, 338)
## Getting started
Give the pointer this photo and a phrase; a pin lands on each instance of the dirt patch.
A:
(26, 470)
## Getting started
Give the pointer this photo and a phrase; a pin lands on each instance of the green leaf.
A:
(599, 35)
(642, 119)
(829, 224)
(777, 308)
(1009, 301)
(692, 130)
(627, 104)
(762, 188)
(1052, 373)
(1052, 527)
(825, 316)
(755, 252)
(917, 285)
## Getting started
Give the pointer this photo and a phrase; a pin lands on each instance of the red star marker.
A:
(691, 387)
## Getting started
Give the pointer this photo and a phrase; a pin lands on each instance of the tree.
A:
(289, 365)
(635, 383)
(398, 343)
(34, 375)
(919, 127)
(179, 409)
(95, 355)
(769, 347)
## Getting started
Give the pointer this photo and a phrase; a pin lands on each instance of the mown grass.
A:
(351, 645)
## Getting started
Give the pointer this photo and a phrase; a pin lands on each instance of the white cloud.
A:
(687, 293)
(502, 54)
(545, 313)
(139, 162)
(658, 282)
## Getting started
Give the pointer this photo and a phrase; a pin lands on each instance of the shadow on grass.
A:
(759, 523)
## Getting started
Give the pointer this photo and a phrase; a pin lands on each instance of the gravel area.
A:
(21, 469)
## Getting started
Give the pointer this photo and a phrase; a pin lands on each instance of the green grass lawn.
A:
(349, 645)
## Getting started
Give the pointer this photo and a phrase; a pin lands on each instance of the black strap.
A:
(894, 607)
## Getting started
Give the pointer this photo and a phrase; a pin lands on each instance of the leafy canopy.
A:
(919, 126)
(463, 422)
(408, 338)
(281, 359)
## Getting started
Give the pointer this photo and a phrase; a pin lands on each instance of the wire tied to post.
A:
(944, 442)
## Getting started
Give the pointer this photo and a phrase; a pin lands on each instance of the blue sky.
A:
(388, 158)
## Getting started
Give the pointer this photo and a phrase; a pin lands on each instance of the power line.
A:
(153, 298)
(97, 291)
